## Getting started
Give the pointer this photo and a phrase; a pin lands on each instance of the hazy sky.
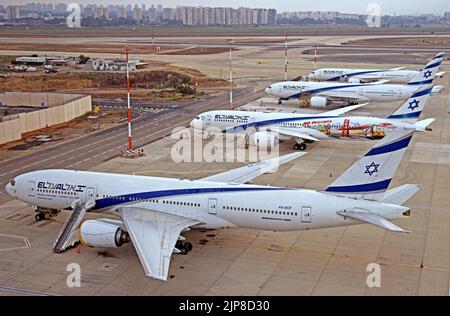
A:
(346, 6)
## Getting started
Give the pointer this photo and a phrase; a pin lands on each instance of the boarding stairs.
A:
(68, 237)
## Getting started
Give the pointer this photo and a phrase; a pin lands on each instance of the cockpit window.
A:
(197, 118)
(12, 182)
(270, 87)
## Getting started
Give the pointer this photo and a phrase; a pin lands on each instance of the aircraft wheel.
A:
(39, 217)
(296, 146)
(183, 250)
(188, 246)
(280, 102)
(302, 147)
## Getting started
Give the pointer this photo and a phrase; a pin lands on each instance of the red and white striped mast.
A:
(315, 53)
(230, 41)
(130, 114)
(286, 58)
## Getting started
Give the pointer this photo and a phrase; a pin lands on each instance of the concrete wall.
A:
(11, 130)
(35, 99)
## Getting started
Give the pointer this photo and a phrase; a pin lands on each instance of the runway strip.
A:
(25, 291)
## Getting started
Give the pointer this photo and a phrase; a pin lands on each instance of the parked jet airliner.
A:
(266, 129)
(395, 75)
(321, 94)
(154, 212)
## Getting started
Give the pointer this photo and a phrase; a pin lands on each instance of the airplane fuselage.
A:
(341, 91)
(215, 205)
(326, 126)
(343, 74)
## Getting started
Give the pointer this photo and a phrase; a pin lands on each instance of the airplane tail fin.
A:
(413, 107)
(370, 176)
(427, 74)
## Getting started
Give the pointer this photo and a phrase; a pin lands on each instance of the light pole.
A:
(230, 41)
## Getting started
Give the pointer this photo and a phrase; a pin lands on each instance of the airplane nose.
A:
(196, 124)
(268, 91)
(10, 190)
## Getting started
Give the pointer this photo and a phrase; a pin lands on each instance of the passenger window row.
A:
(56, 192)
(121, 198)
(252, 210)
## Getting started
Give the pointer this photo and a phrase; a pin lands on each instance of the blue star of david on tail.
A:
(427, 74)
(371, 169)
(413, 105)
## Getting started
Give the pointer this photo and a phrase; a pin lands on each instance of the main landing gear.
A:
(184, 247)
(300, 147)
(279, 101)
(43, 213)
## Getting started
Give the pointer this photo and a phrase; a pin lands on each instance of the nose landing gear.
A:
(43, 213)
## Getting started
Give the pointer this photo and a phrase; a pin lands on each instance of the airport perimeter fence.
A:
(58, 113)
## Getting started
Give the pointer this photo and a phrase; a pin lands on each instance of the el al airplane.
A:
(395, 75)
(321, 94)
(154, 212)
(266, 129)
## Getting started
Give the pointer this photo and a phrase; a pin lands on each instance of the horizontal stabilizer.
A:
(437, 90)
(423, 125)
(374, 219)
(440, 74)
(400, 195)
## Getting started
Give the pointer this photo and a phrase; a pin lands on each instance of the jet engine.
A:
(264, 140)
(354, 80)
(96, 233)
(319, 102)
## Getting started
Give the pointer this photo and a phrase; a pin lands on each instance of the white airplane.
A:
(154, 212)
(395, 75)
(321, 94)
(266, 129)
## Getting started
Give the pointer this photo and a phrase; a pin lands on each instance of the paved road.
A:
(87, 151)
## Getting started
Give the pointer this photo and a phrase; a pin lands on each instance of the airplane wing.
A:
(154, 235)
(247, 173)
(344, 110)
(296, 133)
(374, 219)
(379, 82)
(343, 97)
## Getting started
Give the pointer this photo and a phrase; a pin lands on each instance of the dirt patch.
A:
(85, 48)
(435, 41)
(99, 80)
